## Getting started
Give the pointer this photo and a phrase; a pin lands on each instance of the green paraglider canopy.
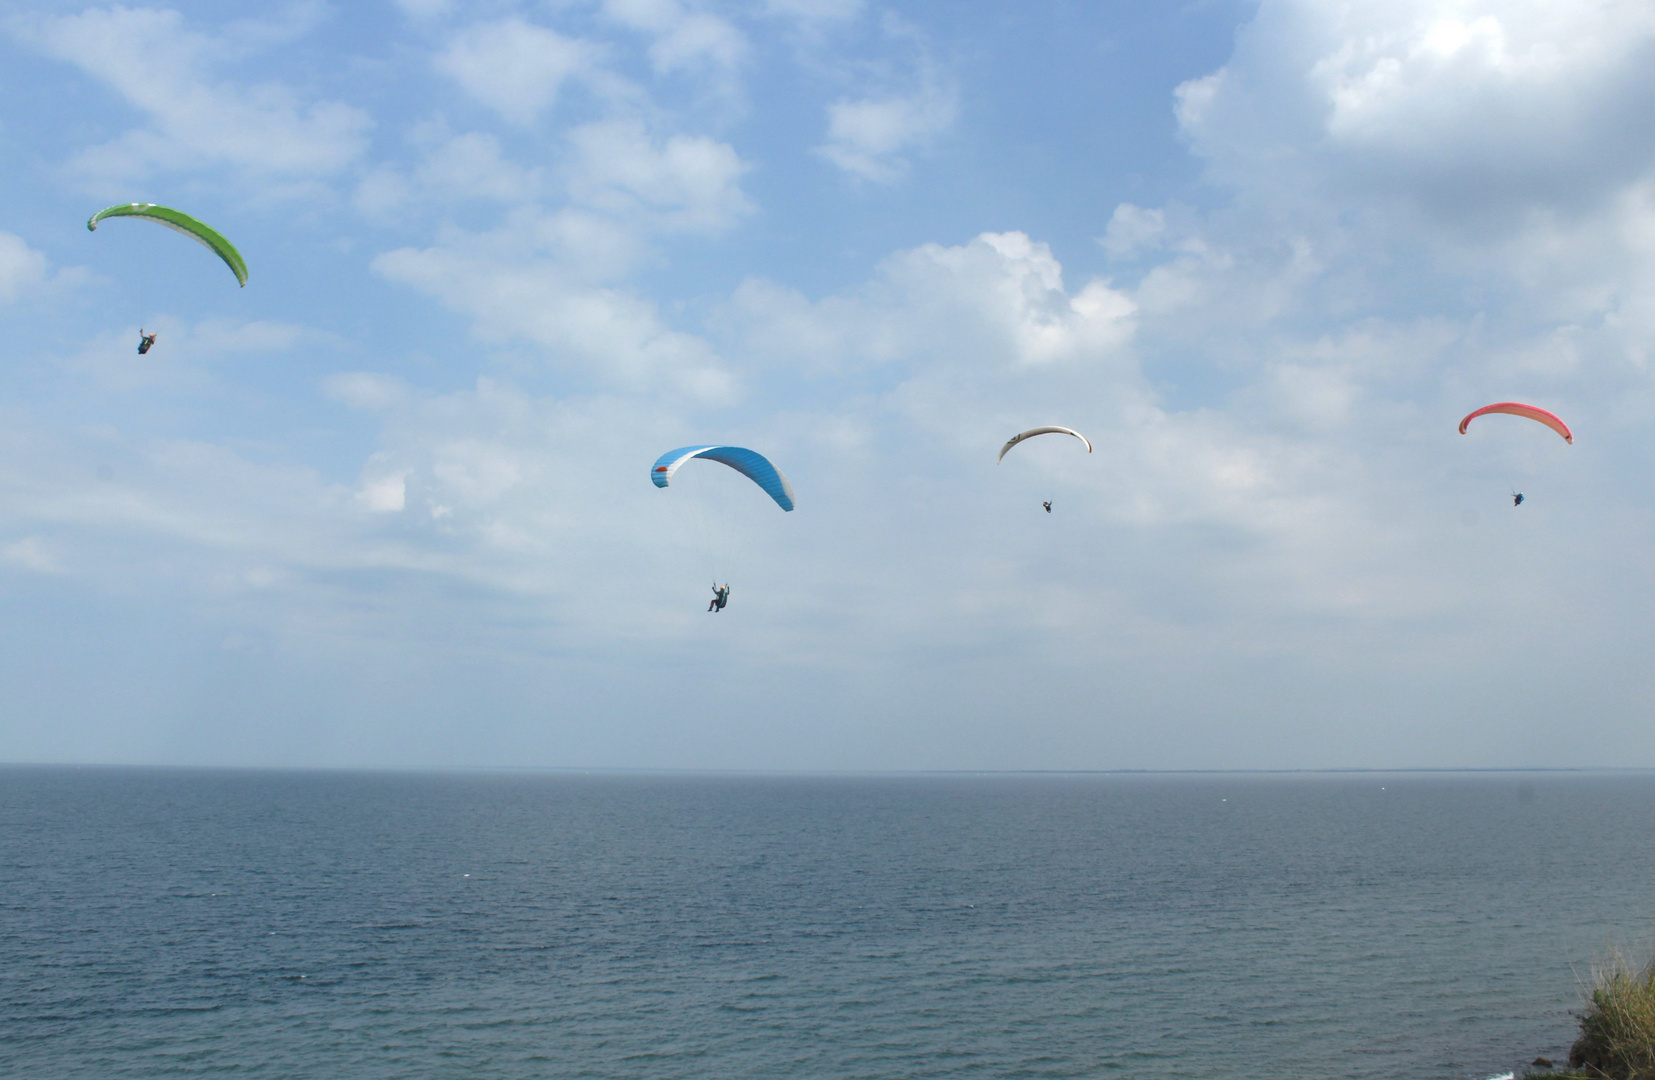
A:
(201, 233)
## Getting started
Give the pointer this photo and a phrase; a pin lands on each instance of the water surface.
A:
(159, 923)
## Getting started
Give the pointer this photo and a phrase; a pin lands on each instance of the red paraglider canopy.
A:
(1517, 408)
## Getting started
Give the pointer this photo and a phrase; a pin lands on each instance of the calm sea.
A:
(158, 923)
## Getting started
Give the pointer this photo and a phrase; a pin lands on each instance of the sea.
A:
(182, 923)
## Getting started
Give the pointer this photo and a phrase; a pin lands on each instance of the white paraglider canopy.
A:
(1032, 432)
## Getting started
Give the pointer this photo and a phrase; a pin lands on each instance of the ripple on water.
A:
(159, 923)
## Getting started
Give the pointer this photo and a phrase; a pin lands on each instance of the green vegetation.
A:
(1617, 1026)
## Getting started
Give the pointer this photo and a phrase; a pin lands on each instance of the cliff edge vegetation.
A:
(1617, 1026)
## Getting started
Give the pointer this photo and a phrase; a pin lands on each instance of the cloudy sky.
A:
(389, 505)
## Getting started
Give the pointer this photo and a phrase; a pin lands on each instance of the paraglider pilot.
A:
(1048, 506)
(1517, 498)
(144, 341)
(720, 598)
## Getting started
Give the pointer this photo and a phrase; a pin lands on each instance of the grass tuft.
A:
(1617, 1027)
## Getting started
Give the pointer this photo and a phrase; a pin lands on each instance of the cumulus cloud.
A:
(1386, 156)
(515, 67)
(1196, 540)
(1133, 229)
(247, 524)
(472, 165)
(383, 491)
(870, 137)
(947, 342)
(611, 335)
(20, 267)
(684, 40)
(681, 183)
(196, 117)
(1279, 519)
(1433, 206)
(186, 354)
(998, 303)
(1032, 320)
(949, 349)
(551, 278)
(453, 168)
(995, 305)
(1464, 110)
(948, 332)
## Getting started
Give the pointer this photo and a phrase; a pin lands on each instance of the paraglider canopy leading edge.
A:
(176, 220)
(1029, 434)
(749, 463)
(1529, 412)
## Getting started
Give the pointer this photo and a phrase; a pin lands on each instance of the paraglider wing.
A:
(1517, 408)
(751, 464)
(1015, 439)
(200, 232)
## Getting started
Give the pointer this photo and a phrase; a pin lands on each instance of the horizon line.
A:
(1346, 770)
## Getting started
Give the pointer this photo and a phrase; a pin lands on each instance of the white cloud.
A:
(266, 129)
(1004, 293)
(658, 16)
(950, 335)
(472, 165)
(1435, 206)
(1280, 532)
(869, 138)
(20, 267)
(684, 40)
(515, 67)
(997, 304)
(31, 553)
(611, 335)
(1483, 162)
(186, 358)
(1465, 110)
(382, 491)
(1133, 229)
(453, 168)
(219, 337)
(207, 520)
(699, 39)
(681, 183)
(1279, 513)
(366, 390)
(526, 495)
(383, 191)
(967, 344)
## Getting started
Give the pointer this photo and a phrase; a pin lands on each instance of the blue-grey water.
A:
(158, 923)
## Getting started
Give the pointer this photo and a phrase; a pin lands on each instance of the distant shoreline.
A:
(618, 770)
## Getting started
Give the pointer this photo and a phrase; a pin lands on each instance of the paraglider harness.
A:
(720, 598)
(144, 341)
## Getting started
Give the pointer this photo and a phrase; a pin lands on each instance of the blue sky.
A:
(388, 504)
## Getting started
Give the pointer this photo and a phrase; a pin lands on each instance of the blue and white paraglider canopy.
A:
(749, 463)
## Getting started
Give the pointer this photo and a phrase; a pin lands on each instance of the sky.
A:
(388, 506)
